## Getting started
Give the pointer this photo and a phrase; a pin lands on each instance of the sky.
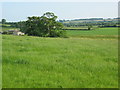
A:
(19, 11)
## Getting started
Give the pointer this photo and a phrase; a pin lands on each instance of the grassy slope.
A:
(38, 62)
(59, 62)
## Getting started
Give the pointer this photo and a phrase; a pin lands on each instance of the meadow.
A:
(79, 61)
(7, 28)
(97, 33)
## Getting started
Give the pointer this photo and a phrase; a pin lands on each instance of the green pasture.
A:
(85, 27)
(74, 62)
(5, 24)
(97, 33)
(7, 28)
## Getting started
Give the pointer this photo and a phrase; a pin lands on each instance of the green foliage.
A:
(43, 26)
(3, 21)
(5, 32)
(57, 33)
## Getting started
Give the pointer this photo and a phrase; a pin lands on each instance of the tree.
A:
(89, 26)
(45, 26)
(3, 21)
(49, 20)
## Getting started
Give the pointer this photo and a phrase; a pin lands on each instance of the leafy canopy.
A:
(44, 26)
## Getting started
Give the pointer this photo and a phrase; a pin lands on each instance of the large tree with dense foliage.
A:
(3, 21)
(45, 26)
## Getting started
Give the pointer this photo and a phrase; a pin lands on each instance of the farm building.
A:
(14, 32)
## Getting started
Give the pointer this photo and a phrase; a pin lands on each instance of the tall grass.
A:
(34, 62)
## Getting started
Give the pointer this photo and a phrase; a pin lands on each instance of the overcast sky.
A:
(16, 11)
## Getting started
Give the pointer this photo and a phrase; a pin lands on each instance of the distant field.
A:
(85, 27)
(74, 62)
(81, 27)
(6, 28)
(5, 24)
(97, 33)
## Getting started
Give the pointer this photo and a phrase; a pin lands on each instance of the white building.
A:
(16, 32)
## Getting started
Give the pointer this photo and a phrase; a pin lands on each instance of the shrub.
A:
(57, 33)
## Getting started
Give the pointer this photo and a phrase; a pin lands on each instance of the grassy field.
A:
(74, 62)
(80, 27)
(97, 33)
(6, 28)
(85, 27)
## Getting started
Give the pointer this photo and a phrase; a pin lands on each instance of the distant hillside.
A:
(100, 22)
(90, 20)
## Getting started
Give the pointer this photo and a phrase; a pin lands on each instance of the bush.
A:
(5, 32)
(57, 33)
